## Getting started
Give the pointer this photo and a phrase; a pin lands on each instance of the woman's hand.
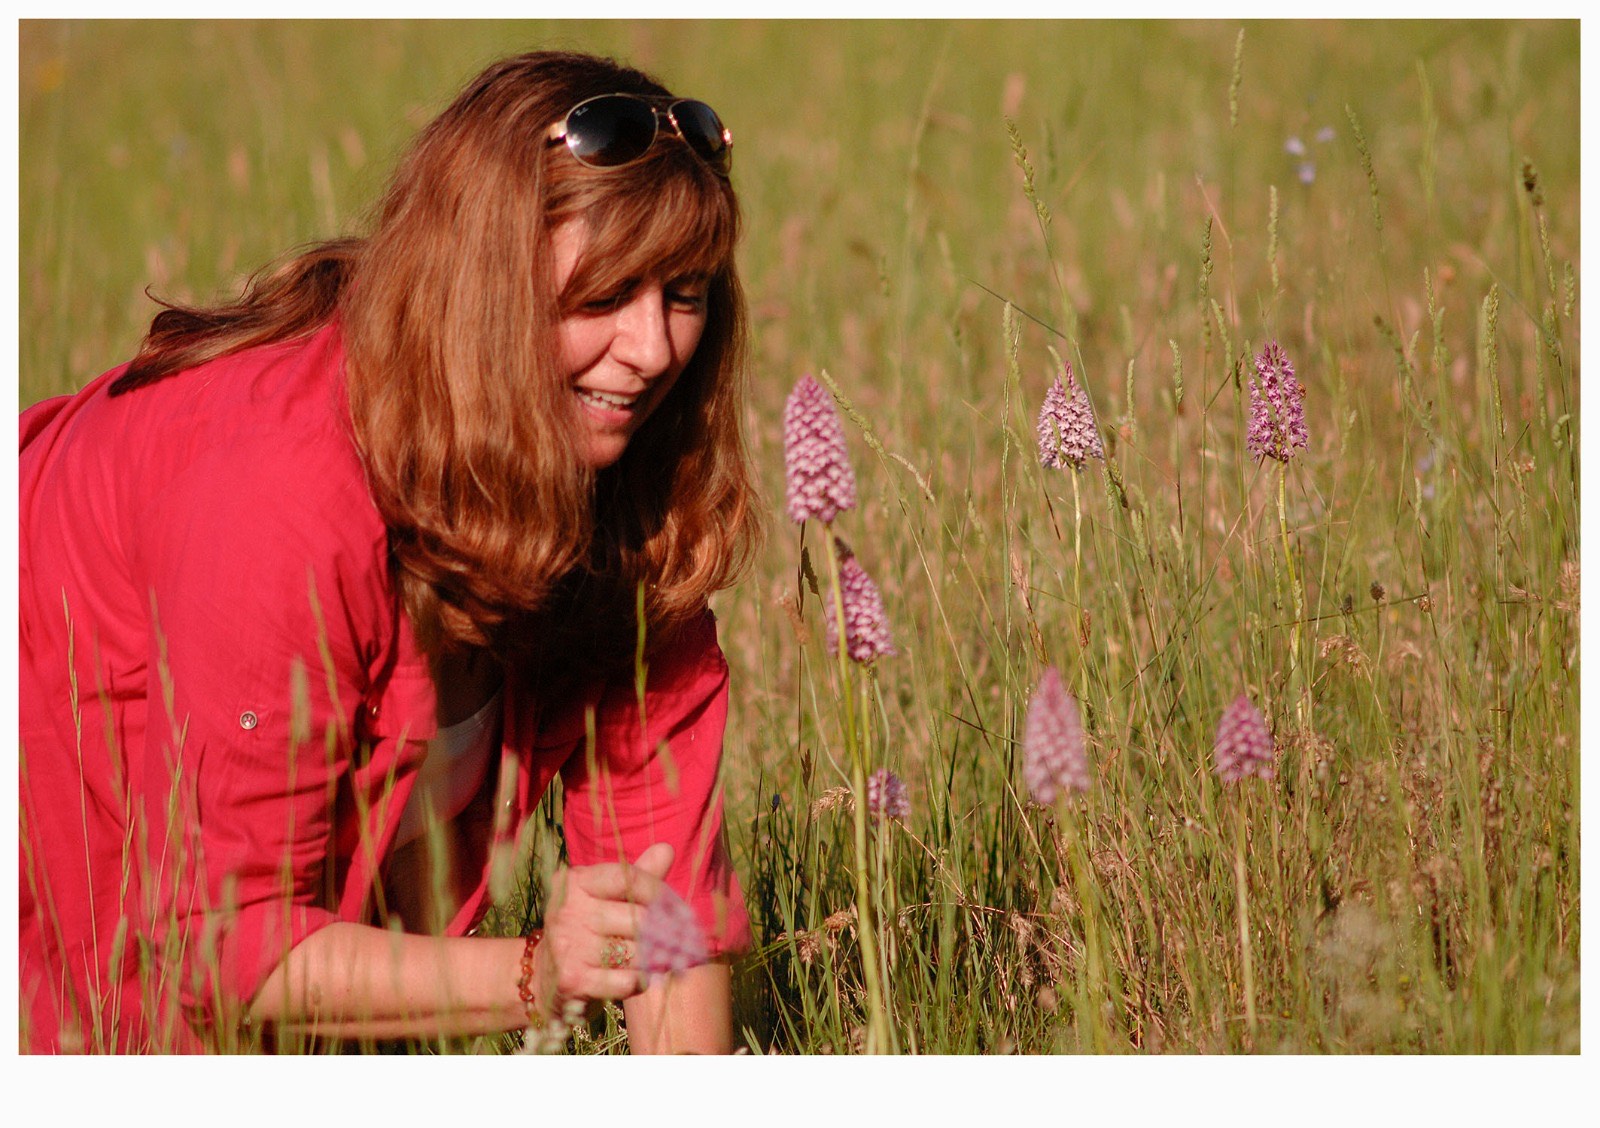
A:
(356, 980)
(590, 906)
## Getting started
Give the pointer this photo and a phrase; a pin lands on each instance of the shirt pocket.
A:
(402, 708)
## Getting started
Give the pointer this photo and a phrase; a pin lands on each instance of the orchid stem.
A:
(1296, 595)
(879, 1037)
(1241, 888)
(1077, 589)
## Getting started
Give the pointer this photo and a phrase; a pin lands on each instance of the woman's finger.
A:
(621, 983)
(615, 918)
(656, 860)
(612, 881)
(588, 981)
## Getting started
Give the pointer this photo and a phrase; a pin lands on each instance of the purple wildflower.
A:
(1244, 745)
(1053, 756)
(816, 463)
(886, 795)
(1277, 407)
(866, 627)
(1067, 434)
(669, 936)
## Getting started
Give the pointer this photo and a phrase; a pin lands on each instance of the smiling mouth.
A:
(608, 401)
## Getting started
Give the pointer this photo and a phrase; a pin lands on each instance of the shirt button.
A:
(248, 720)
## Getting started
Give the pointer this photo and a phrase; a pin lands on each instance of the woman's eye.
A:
(688, 298)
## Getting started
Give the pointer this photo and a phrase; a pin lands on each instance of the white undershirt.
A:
(452, 771)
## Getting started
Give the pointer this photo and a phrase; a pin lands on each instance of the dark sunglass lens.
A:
(605, 132)
(702, 130)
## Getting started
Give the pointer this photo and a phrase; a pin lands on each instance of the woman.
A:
(323, 589)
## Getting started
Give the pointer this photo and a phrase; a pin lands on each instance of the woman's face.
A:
(623, 354)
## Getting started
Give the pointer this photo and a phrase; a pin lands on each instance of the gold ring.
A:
(615, 952)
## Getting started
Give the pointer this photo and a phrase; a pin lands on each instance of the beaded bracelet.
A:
(525, 980)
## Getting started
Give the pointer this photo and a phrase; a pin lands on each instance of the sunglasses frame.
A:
(661, 107)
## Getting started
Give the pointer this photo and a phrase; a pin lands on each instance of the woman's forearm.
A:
(687, 1013)
(353, 981)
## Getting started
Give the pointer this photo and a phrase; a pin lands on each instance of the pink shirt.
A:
(223, 708)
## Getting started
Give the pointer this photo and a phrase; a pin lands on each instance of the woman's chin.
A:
(604, 450)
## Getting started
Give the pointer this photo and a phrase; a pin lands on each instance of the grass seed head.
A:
(1053, 754)
(829, 799)
(816, 462)
(1244, 744)
(1277, 407)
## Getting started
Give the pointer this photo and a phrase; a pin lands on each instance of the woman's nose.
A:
(642, 341)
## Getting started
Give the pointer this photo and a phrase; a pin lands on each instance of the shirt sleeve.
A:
(267, 587)
(656, 779)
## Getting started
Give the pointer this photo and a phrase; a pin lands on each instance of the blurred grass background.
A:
(182, 156)
(1434, 788)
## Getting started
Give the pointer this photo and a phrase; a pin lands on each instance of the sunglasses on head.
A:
(611, 130)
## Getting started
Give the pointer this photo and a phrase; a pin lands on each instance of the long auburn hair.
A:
(500, 535)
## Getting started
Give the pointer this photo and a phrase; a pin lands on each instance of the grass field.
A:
(1396, 204)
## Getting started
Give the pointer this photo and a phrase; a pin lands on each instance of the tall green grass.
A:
(1412, 871)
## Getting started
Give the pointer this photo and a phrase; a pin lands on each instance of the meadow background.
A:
(1412, 871)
